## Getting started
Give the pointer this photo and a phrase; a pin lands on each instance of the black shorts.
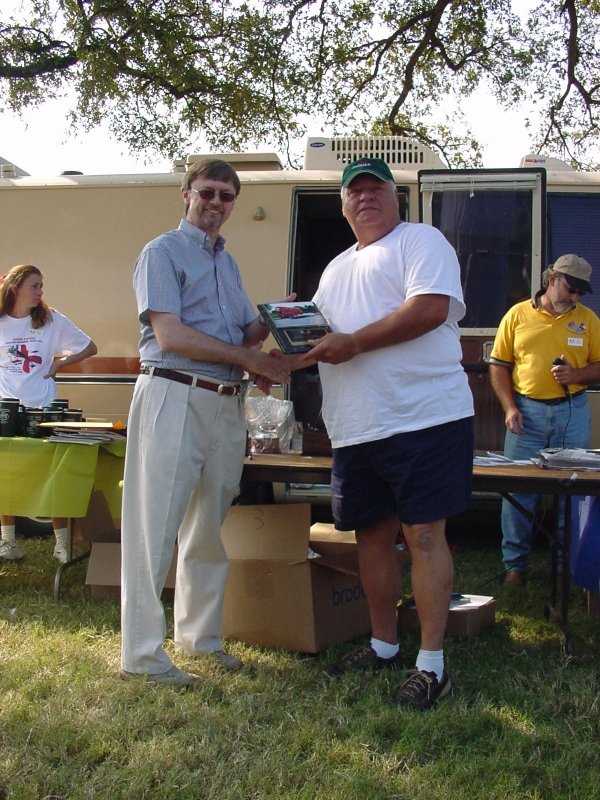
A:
(421, 476)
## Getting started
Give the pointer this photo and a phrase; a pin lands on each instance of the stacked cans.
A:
(17, 420)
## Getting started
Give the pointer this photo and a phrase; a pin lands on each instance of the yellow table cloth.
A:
(40, 478)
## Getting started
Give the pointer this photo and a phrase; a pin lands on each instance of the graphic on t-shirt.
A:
(20, 353)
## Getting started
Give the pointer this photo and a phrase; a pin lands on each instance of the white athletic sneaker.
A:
(60, 552)
(11, 551)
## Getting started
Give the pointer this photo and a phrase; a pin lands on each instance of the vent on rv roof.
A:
(398, 151)
(241, 162)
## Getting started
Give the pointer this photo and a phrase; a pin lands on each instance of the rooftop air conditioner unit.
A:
(397, 151)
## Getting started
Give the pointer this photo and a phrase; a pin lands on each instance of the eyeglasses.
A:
(571, 290)
(210, 194)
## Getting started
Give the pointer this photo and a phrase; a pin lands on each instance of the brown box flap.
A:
(267, 533)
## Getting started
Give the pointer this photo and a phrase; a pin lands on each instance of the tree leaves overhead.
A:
(164, 73)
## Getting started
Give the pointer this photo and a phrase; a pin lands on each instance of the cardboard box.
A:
(100, 530)
(279, 597)
(97, 525)
(467, 617)
(104, 571)
(276, 595)
(330, 540)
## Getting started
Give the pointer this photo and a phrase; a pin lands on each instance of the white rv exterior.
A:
(85, 233)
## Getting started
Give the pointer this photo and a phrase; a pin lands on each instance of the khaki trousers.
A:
(185, 450)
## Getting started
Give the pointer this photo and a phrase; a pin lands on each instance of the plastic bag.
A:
(270, 423)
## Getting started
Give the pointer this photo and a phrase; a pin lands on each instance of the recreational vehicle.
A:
(506, 225)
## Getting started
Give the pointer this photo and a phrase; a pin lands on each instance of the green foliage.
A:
(520, 724)
(165, 72)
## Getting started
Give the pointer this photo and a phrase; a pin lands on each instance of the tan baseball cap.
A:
(577, 271)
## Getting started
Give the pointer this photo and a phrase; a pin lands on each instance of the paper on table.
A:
(77, 426)
(556, 458)
(491, 459)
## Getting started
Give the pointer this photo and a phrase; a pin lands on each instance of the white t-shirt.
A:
(403, 387)
(26, 355)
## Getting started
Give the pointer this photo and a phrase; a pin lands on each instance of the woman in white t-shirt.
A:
(35, 341)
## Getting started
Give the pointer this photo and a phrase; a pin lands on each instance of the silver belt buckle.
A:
(221, 388)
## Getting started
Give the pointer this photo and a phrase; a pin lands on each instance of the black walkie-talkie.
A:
(557, 363)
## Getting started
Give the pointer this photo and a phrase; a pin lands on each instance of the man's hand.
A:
(267, 366)
(563, 373)
(333, 348)
(514, 421)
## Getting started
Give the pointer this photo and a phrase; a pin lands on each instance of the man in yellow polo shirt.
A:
(544, 403)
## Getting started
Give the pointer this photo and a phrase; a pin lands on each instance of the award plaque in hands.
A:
(293, 325)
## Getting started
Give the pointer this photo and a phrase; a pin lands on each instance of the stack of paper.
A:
(81, 432)
(557, 458)
(85, 437)
(492, 459)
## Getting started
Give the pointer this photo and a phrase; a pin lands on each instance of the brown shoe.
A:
(515, 577)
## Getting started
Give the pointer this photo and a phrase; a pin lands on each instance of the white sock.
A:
(384, 649)
(8, 533)
(61, 536)
(431, 661)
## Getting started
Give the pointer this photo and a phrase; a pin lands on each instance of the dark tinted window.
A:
(574, 227)
(491, 233)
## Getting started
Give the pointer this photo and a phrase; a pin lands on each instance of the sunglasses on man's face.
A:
(570, 289)
(210, 194)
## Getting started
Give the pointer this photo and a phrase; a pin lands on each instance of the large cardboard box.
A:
(278, 596)
(289, 586)
(467, 617)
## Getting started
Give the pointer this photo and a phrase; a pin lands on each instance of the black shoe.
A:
(422, 690)
(363, 659)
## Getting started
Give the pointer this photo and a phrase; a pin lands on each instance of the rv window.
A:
(492, 234)
(573, 228)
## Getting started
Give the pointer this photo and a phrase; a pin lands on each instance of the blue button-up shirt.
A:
(180, 273)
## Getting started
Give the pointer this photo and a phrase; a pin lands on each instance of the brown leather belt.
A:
(189, 380)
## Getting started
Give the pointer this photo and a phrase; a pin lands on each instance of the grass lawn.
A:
(520, 724)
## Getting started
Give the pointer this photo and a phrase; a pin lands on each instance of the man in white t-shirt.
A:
(399, 411)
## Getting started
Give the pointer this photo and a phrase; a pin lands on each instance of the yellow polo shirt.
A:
(529, 339)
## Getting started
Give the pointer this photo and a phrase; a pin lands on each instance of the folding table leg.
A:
(72, 560)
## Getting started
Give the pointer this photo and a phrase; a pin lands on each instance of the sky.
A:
(41, 144)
